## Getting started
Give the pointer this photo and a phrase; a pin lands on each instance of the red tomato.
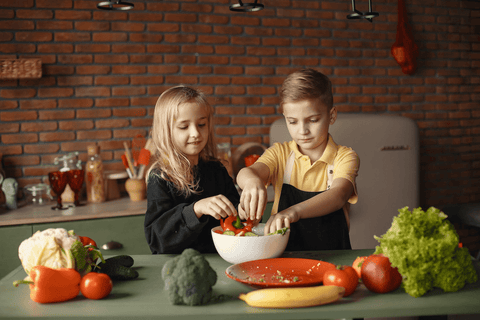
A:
(357, 265)
(342, 276)
(96, 285)
(378, 274)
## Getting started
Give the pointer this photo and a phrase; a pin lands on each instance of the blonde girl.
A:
(188, 189)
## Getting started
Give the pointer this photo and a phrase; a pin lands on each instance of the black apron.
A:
(328, 232)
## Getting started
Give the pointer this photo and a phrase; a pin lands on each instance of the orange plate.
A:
(279, 272)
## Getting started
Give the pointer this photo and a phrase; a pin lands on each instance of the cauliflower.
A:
(56, 248)
(189, 279)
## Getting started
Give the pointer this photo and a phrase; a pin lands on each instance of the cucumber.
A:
(251, 234)
(119, 272)
(229, 233)
(118, 268)
(122, 260)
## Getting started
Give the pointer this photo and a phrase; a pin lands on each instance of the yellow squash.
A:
(296, 297)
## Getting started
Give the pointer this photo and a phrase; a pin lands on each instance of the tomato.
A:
(378, 274)
(342, 276)
(357, 265)
(96, 285)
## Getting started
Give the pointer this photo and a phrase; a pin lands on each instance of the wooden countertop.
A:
(31, 214)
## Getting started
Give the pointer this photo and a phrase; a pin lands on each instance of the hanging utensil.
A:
(369, 15)
(246, 7)
(115, 5)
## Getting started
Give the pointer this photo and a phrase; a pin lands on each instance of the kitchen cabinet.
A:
(119, 220)
(126, 230)
(10, 238)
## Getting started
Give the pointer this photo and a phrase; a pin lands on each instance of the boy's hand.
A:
(280, 220)
(217, 206)
(253, 201)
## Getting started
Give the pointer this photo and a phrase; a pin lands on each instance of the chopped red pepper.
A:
(231, 224)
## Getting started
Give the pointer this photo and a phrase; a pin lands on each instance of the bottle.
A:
(94, 175)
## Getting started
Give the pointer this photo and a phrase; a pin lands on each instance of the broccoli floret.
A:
(189, 279)
(424, 246)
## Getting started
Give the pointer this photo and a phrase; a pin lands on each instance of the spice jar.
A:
(94, 175)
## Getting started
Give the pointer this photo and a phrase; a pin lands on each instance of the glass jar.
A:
(94, 175)
(38, 194)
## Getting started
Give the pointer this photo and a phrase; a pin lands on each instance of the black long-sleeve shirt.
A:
(170, 222)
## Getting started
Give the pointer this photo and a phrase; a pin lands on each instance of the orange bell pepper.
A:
(52, 285)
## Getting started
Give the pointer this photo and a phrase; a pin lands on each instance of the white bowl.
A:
(241, 249)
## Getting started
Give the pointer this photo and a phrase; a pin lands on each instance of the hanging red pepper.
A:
(52, 285)
(233, 223)
(404, 50)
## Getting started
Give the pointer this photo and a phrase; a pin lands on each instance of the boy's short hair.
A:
(307, 84)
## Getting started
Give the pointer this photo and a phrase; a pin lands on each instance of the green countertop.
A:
(145, 298)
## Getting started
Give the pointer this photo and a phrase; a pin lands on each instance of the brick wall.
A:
(104, 70)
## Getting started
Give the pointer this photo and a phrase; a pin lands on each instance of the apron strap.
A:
(289, 168)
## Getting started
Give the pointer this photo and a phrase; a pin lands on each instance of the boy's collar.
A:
(328, 155)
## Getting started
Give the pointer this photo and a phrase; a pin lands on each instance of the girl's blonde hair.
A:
(170, 163)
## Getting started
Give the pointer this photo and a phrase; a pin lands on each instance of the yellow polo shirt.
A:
(310, 177)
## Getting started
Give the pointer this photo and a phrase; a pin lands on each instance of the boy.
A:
(313, 177)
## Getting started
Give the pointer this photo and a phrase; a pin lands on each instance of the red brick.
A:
(94, 48)
(18, 48)
(129, 112)
(54, 25)
(17, 93)
(110, 59)
(143, 37)
(19, 138)
(92, 91)
(75, 59)
(94, 135)
(128, 48)
(128, 91)
(33, 104)
(75, 103)
(39, 126)
(93, 113)
(55, 92)
(110, 37)
(111, 102)
(9, 127)
(163, 27)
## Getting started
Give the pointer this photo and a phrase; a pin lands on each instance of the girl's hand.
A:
(217, 206)
(280, 220)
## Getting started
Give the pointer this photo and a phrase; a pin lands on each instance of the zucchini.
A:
(122, 260)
